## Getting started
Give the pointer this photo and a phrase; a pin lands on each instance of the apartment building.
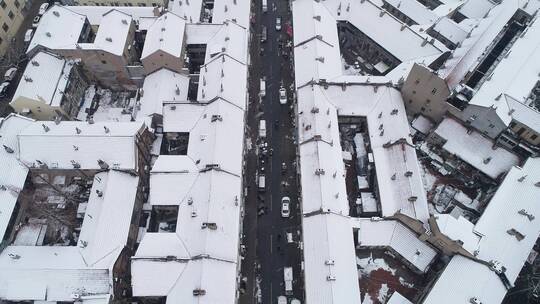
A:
(12, 14)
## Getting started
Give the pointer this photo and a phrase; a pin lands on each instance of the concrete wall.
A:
(39, 110)
(160, 60)
(525, 133)
(426, 93)
(485, 120)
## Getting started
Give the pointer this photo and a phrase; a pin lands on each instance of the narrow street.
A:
(272, 241)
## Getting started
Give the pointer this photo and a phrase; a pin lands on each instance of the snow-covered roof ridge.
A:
(13, 174)
(48, 90)
(72, 144)
(165, 34)
(60, 272)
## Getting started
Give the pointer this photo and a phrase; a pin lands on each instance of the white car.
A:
(28, 35)
(10, 74)
(35, 23)
(278, 24)
(282, 96)
(285, 204)
(43, 8)
(3, 88)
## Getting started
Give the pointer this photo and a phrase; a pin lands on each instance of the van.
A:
(262, 182)
(264, 6)
(288, 279)
(263, 87)
(262, 128)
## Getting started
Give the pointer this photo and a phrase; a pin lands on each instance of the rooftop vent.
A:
(56, 13)
(525, 213)
(107, 130)
(199, 292)
(35, 63)
(329, 262)
(8, 149)
(78, 130)
(108, 39)
(124, 21)
(45, 127)
(211, 226)
(519, 236)
(330, 278)
(319, 172)
(99, 193)
(216, 117)
(75, 164)
(190, 201)
(48, 34)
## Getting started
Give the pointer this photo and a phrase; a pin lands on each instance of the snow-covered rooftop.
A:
(165, 34)
(524, 114)
(49, 89)
(329, 251)
(459, 229)
(395, 235)
(95, 14)
(479, 37)
(414, 10)
(69, 143)
(515, 75)
(161, 86)
(58, 273)
(59, 28)
(112, 35)
(386, 30)
(475, 149)
(450, 30)
(13, 173)
(511, 214)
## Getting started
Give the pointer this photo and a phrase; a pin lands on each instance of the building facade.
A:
(12, 14)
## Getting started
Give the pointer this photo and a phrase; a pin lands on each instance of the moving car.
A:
(43, 8)
(282, 96)
(278, 24)
(285, 205)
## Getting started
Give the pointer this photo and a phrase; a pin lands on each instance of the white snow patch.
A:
(369, 264)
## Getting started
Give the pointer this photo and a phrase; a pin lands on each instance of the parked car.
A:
(3, 88)
(285, 204)
(35, 23)
(278, 24)
(43, 8)
(282, 96)
(28, 35)
(10, 74)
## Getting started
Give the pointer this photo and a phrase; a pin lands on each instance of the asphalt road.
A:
(265, 230)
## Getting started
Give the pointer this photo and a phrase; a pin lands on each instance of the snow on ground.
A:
(369, 264)
(349, 69)
(380, 275)
(428, 178)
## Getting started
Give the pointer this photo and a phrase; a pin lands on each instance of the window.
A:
(5, 27)
(520, 131)
(11, 15)
(3, 4)
(534, 136)
(17, 4)
(1, 40)
(428, 101)
(103, 62)
(434, 91)
(414, 92)
(492, 126)
(422, 109)
(512, 124)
